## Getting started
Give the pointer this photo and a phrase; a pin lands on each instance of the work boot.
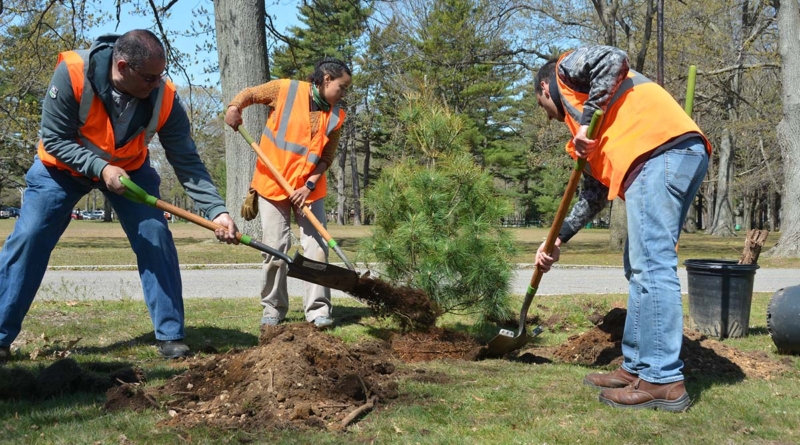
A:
(5, 353)
(641, 394)
(618, 378)
(173, 349)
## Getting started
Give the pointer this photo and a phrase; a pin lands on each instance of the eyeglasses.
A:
(149, 78)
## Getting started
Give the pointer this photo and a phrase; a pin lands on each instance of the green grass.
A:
(99, 243)
(486, 402)
(443, 402)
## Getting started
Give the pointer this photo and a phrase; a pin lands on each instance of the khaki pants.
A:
(276, 229)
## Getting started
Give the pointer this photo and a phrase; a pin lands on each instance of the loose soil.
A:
(300, 377)
(701, 355)
(412, 308)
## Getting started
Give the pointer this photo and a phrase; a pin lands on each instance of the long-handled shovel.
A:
(505, 341)
(300, 267)
(289, 190)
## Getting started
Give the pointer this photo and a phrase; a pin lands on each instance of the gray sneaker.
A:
(323, 322)
(173, 349)
(270, 321)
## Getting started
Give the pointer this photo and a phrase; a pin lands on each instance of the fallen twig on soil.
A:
(357, 412)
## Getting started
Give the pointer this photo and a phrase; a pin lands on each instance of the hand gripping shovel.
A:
(289, 190)
(505, 341)
(300, 267)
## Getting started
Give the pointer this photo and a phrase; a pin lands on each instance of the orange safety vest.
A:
(640, 117)
(95, 130)
(288, 143)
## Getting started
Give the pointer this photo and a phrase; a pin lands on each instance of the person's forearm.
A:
(592, 200)
(181, 152)
(261, 94)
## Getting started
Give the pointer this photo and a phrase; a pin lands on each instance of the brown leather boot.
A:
(641, 394)
(619, 378)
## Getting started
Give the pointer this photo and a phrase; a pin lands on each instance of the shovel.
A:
(505, 341)
(300, 267)
(289, 190)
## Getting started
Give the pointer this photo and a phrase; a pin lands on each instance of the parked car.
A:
(94, 214)
(5, 214)
(14, 212)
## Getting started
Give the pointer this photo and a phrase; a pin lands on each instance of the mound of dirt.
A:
(412, 308)
(701, 355)
(297, 377)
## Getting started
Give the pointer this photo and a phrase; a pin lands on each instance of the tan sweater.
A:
(266, 94)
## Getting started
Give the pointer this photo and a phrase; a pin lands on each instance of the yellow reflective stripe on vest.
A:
(86, 104)
(279, 139)
(152, 127)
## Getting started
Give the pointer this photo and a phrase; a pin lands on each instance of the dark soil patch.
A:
(701, 355)
(298, 377)
(412, 308)
(437, 343)
(64, 376)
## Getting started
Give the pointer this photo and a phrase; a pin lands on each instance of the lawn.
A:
(99, 243)
(493, 401)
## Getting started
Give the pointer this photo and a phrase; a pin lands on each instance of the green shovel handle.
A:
(136, 193)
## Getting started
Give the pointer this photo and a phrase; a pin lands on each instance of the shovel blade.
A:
(324, 274)
(505, 341)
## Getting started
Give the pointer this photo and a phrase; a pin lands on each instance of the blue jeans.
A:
(47, 205)
(657, 202)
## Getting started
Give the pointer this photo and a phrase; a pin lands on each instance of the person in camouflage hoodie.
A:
(650, 153)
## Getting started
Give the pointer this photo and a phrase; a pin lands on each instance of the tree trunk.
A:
(690, 225)
(619, 226)
(788, 135)
(242, 51)
(722, 223)
(340, 208)
(351, 148)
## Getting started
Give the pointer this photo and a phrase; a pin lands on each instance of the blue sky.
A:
(284, 13)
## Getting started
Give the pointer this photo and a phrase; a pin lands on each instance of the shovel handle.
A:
(138, 194)
(289, 190)
(561, 213)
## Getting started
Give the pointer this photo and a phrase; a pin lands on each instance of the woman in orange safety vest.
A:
(300, 139)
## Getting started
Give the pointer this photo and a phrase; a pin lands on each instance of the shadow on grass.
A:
(206, 339)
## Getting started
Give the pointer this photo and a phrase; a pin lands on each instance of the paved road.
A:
(243, 281)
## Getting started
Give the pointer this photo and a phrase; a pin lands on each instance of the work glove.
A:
(250, 205)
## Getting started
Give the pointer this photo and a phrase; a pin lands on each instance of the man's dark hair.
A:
(137, 46)
(545, 74)
(330, 66)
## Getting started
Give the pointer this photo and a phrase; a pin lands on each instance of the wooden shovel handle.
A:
(561, 213)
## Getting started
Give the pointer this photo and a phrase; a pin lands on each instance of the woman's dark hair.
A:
(545, 74)
(138, 46)
(330, 66)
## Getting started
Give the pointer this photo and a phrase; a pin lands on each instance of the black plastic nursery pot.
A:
(720, 295)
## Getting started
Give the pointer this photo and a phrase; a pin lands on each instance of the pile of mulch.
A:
(701, 355)
(297, 377)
